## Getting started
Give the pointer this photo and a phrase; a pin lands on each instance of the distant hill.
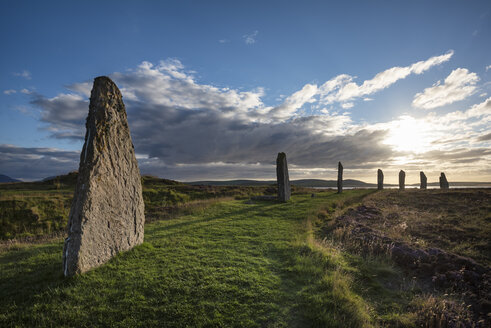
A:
(69, 179)
(331, 183)
(300, 183)
(232, 183)
(4, 178)
(455, 184)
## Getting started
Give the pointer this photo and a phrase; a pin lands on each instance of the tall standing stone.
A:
(340, 178)
(284, 189)
(380, 179)
(443, 181)
(423, 180)
(107, 214)
(402, 180)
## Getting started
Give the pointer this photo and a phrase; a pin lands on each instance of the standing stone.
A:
(443, 181)
(107, 214)
(380, 179)
(340, 178)
(284, 189)
(423, 179)
(402, 180)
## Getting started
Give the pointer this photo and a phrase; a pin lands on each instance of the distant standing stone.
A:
(284, 189)
(340, 178)
(107, 214)
(402, 180)
(443, 181)
(380, 179)
(423, 179)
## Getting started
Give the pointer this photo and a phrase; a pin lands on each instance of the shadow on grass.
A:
(258, 209)
(29, 271)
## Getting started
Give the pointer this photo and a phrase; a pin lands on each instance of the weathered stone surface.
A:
(284, 189)
(443, 181)
(107, 214)
(423, 179)
(402, 180)
(380, 179)
(340, 178)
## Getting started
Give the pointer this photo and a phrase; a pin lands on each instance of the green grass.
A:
(33, 213)
(39, 210)
(233, 264)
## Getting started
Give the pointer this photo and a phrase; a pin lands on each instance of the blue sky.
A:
(255, 73)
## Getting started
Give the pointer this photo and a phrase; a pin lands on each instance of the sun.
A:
(409, 135)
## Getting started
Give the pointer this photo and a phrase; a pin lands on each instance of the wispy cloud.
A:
(12, 91)
(488, 68)
(223, 41)
(250, 38)
(459, 85)
(24, 74)
(343, 89)
(294, 102)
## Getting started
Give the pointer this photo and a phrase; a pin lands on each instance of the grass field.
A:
(233, 264)
(228, 263)
(37, 210)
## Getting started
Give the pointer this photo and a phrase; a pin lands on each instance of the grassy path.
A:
(232, 265)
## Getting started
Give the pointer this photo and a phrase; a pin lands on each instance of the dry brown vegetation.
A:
(440, 242)
(458, 221)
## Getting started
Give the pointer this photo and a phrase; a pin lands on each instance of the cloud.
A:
(186, 130)
(343, 89)
(177, 123)
(488, 67)
(459, 85)
(36, 163)
(250, 38)
(294, 102)
(347, 105)
(484, 137)
(223, 41)
(65, 114)
(82, 88)
(24, 74)
(460, 155)
(12, 91)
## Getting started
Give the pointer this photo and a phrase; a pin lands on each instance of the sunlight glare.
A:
(410, 135)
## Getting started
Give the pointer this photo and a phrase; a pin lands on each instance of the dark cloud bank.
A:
(187, 131)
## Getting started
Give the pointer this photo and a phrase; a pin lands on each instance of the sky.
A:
(215, 89)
